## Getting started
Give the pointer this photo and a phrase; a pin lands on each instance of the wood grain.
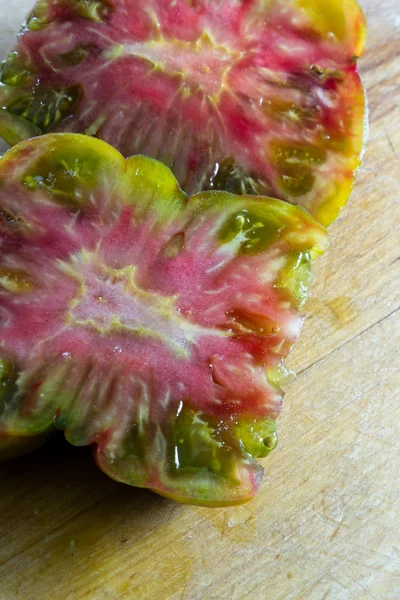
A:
(326, 523)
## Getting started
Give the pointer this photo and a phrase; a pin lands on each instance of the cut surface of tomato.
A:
(250, 97)
(149, 324)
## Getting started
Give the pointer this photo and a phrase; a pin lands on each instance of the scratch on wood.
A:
(18, 588)
(393, 149)
(337, 529)
(377, 439)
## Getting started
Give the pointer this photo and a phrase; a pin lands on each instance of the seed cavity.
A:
(174, 246)
(38, 18)
(295, 277)
(67, 174)
(14, 71)
(250, 233)
(46, 107)
(296, 164)
(324, 74)
(229, 177)
(78, 55)
(244, 322)
(258, 437)
(289, 112)
(9, 219)
(93, 10)
(16, 281)
(199, 444)
(8, 378)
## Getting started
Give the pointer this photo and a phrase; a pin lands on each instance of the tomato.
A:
(148, 324)
(255, 97)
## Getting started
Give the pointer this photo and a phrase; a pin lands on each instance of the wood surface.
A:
(325, 525)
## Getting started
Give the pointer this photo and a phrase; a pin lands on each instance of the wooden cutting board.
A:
(326, 523)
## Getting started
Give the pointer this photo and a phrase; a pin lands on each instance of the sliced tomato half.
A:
(149, 324)
(250, 97)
